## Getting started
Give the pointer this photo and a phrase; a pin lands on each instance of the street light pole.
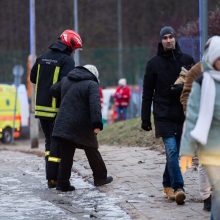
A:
(76, 28)
(34, 130)
(203, 25)
(120, 69)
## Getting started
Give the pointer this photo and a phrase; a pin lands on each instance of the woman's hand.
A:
(96, 130)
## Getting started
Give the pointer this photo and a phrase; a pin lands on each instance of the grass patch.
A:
(129, 133)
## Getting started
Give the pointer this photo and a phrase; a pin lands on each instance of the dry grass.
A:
(129, 133)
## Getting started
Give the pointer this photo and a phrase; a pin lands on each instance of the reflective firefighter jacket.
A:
(48, 69)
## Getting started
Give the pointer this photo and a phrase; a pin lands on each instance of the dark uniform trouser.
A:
(47, 127)
(65, 150)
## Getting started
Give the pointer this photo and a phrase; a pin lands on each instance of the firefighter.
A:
(48, 69)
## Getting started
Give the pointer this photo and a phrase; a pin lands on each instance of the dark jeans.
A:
(122, 113)
(172, 176)
(47, 127)
(65, 150)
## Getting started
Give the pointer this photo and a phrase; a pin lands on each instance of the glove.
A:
(146, 126)
(185, 163)
(118, 96)
(177, 88)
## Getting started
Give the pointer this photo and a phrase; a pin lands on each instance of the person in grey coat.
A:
(77, 124)
(201, 129)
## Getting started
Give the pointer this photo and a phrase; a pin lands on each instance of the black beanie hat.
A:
(166, 30)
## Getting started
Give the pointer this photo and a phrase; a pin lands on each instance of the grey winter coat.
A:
(80, 109)
(210, 153)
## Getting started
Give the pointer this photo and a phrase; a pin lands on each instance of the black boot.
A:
(207, 204)
(100, 182)
(64, 186)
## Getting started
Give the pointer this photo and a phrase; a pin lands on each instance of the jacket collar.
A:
(170, 53)
(59, 46)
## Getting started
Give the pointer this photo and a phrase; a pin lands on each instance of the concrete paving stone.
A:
(23, 191)
(137, 186)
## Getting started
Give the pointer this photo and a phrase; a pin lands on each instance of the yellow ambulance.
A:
(8, 117)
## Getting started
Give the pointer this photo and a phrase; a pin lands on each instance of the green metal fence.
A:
(106, 60)
(8, 60)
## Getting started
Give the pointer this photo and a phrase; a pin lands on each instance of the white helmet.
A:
(122, 82)
(92, 69)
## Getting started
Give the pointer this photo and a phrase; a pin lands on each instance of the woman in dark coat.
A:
(77, 124)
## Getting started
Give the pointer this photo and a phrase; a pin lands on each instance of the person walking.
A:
(161, 73)
(77, 124)
(48, 69)
(201, 130)
(122, 98)
(204, 183)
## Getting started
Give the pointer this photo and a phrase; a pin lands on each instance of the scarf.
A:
(206, 110)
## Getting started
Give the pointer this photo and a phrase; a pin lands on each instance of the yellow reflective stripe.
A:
(55, 79)
(45, 114)
(46, 109)
(56, 74)
(54, 159)
(47, 153)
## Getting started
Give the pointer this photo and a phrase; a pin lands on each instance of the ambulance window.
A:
(7, 102)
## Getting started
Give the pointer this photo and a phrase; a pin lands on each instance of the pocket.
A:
(160, 110)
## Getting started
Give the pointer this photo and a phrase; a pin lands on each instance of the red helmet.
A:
(71, 39)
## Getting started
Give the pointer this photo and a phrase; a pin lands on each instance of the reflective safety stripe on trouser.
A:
(52, 168)
(47, 153)
(54, 159)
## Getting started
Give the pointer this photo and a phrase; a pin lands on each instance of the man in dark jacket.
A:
(77, 124)
(48, 69)
(161, 73)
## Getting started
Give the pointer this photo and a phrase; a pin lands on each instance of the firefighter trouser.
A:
(47, 127)
(66, 153)
(53, 160)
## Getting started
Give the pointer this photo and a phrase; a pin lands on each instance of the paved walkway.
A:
(137, 185)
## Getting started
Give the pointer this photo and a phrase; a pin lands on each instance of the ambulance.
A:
(13, 118)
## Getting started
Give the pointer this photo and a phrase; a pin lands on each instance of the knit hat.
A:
(166, 30)
(214, 50)
(92, 69)
(122, 82)
(205, 64)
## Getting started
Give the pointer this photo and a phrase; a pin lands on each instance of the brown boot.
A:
(180, 196)
(169, 193)
(51, 184)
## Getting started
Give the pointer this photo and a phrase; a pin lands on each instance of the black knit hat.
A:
(166, 30)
